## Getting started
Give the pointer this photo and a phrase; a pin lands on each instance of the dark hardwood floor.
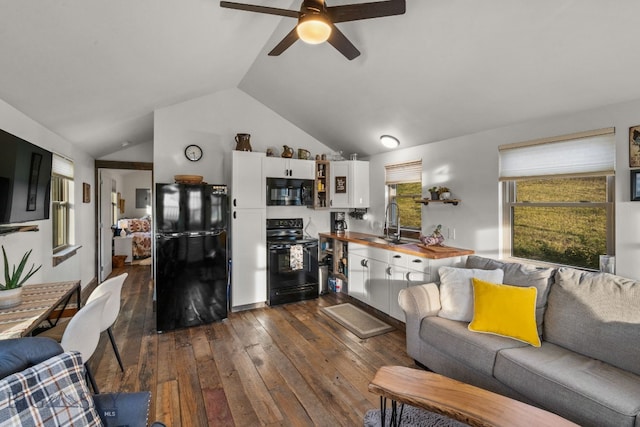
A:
(289, 365)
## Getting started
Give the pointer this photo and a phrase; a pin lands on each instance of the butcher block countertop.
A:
(410, 248)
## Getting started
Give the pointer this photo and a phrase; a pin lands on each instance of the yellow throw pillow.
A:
(508, 311)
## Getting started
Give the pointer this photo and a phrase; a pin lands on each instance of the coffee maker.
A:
(338, 222)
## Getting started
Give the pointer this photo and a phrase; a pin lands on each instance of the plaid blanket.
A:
(52, 393)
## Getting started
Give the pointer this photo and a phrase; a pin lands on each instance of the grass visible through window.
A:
(556, 221)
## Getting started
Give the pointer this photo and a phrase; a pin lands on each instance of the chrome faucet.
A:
(396, 235)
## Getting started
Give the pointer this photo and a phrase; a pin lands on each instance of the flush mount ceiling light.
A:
(389, 141)
(313, 29)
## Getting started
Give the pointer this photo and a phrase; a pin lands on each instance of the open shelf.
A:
(17, 229)
(453, 202)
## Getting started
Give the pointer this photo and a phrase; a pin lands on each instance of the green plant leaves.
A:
(15, 279)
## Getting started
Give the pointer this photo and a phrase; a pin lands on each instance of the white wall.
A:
(136, 153)
(468, 165)
(130, 182)
(212, 122)
(82, 265)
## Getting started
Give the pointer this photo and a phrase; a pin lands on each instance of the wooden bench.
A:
(454, 399)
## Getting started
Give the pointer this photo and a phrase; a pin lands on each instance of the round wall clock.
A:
(193, 152)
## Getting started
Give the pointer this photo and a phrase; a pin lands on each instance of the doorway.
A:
(111, 205)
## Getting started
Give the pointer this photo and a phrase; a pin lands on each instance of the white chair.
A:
(82, 333)
(113, 287)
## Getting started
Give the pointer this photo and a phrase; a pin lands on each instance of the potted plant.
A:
(11, 289)
(434, 193)
(444, 193)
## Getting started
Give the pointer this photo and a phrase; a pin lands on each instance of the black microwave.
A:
(289, 192)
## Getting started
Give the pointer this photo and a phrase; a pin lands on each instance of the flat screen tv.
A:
(25, 180)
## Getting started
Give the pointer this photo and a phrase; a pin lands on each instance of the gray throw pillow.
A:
(517, 274)
(597, 315)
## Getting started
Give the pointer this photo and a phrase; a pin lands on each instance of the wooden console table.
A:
(38, 302)
(454, 399)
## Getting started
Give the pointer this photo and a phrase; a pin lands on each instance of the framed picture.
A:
(634, 147)
(635, 185)
(86, 193)
(341, 184)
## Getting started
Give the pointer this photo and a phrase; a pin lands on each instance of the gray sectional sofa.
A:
(588, 366)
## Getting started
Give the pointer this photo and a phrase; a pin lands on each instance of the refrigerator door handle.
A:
(168, 236)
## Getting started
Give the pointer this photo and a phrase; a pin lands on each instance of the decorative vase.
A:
(10, 298)
(434, 195)
(243, 142)
(445, 196)
(287, 151)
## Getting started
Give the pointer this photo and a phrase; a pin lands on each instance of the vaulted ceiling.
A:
(94, 71)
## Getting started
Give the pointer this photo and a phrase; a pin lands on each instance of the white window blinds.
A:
(62, 166)
(403, 172)
(583, 154)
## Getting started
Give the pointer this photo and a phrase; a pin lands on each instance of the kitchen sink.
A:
(384, 240)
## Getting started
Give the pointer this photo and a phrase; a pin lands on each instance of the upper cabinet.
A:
(349, 186)
(247, 183)
(282, 167)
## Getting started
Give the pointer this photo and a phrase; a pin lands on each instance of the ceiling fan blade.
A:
(355, 12)
(260, 9)
(342, 43)
(286, 42)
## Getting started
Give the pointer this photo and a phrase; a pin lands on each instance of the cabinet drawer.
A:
(397, 259)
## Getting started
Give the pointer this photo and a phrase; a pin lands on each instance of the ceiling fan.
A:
(316, 21)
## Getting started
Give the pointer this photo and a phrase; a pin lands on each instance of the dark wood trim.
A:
(111, 164)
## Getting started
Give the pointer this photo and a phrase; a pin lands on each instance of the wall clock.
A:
(193, 152)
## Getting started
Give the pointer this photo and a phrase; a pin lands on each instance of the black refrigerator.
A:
(191, 255)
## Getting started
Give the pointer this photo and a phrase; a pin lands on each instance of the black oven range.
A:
(292, 265)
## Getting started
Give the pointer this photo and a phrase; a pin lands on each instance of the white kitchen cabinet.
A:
(358, 276)
(247, 182)
(349, 184)
(248, 258)
(376, 275)
(282, 167)
(397, 277)
(377, 285)
(248, 240)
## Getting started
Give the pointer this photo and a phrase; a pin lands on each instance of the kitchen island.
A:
(374, 270)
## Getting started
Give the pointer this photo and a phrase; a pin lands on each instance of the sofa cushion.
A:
(456, 293)
(51, 393)
(505, 310)
(517, 274)
(587, 391)
(595, 314)
(451, 337)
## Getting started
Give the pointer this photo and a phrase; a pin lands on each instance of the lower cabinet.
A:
(248, 258)
(358, 275)
(376, 276)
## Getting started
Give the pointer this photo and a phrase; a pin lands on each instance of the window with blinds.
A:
(558, 198)
(61, 201)
(404, 186)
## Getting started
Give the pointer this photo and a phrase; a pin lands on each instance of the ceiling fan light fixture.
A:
(389, 141)
(313, 29)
